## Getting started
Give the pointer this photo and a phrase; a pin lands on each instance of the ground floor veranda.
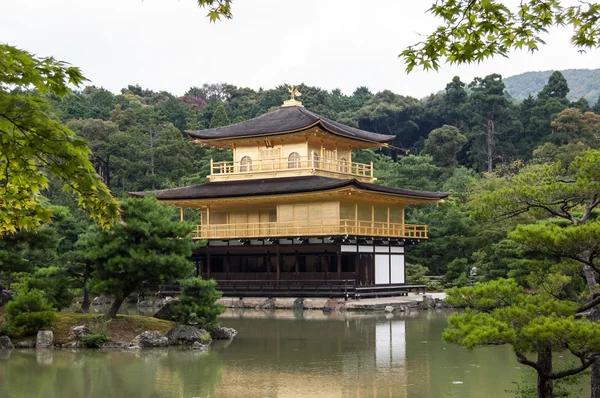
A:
(304, 266)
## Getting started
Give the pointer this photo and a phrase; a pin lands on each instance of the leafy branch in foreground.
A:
(35, 146)
(500, 312)
(217, 9)
(472, 31)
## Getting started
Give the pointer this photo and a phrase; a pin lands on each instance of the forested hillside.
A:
(582, 82)
(461, 140)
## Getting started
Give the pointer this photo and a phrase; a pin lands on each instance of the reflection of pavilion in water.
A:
(335, 355)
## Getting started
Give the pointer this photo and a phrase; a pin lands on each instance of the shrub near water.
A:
(94, 340)
(28, 313)
(197, 303)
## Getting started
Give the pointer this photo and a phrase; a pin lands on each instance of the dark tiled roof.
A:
(286, 119)
(275, 186)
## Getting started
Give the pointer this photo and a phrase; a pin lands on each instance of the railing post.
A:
(211, 166)
(371, 168)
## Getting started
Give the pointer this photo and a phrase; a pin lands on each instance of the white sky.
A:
(170, 44)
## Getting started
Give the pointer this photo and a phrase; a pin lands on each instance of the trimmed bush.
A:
(28, 313)
(197, 303)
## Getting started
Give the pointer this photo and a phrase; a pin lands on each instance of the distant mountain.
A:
(582, 82)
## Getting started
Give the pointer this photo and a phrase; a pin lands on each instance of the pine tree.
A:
(219, 118)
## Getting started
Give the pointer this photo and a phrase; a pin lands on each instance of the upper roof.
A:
(286, 119)
(275, 186)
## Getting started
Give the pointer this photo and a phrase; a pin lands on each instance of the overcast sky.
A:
(170, 44)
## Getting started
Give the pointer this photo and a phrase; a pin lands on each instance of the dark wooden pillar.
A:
(267, 263)
(278, 263)
(357, 268)
(198, 269)
(227, 263)
(339, 264)
(207, 265)
(296, 265)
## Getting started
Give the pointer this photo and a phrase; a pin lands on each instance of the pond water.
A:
(280, 354)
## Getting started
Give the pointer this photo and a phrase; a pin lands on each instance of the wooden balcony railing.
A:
(323, 227)
(298, 163)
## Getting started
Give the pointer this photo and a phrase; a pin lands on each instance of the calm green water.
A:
(279, 354)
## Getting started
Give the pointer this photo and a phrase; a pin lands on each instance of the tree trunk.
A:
(490, 146)
(114, 307)
(85, 305)
(593, 315)
(544, 385)
(87, 273)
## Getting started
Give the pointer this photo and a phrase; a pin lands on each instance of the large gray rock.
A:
(298, 304)
(166, 312)
(79, 331)
(152, 338)
(389, 309)
(5, 343)
(222, 333)
(187, 335)
(44, 340)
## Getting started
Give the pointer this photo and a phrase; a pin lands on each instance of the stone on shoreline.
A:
(389, 309)
(5, 343)
(44, 340)
(187, 335)
(152, 338)
(79, 330)
(222, 333)
(298, 304)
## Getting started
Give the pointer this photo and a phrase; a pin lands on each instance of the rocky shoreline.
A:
(181, 336)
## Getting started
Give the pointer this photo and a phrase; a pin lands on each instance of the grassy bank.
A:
(121, 328)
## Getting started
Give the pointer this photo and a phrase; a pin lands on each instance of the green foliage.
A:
(219, 118)
(197, 303)
(53, 281)
(33, 143)
(416, 274)
(94, 340)
(434, 286)
(28, 313)
(443, 144)
(151, 246)
(472, 31)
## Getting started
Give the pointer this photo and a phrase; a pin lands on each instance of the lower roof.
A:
(278, 186)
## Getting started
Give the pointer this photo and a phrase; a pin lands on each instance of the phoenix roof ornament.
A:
(294, 92)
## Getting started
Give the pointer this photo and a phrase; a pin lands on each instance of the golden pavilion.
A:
(292, 214)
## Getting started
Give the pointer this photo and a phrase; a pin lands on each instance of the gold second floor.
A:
(306, 219)
(310, 152)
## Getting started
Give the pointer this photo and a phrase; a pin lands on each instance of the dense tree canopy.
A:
(35, 146)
